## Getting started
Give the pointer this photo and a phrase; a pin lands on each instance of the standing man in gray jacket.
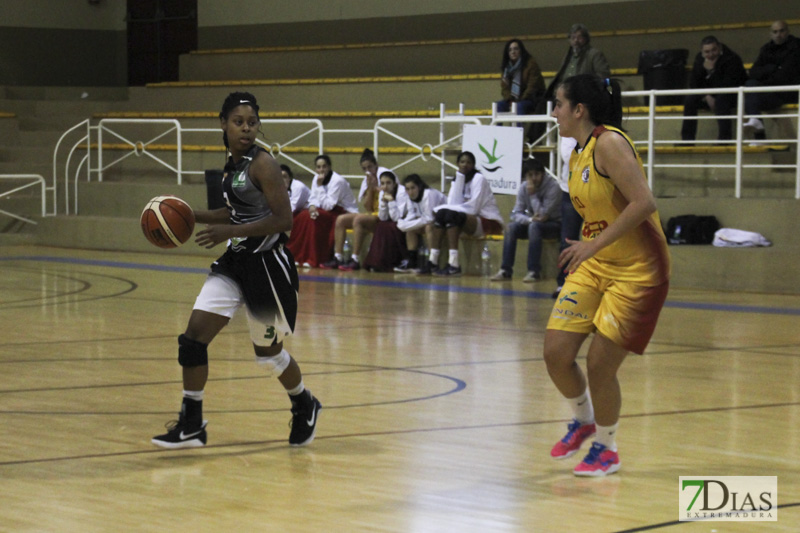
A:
(581, 58)
(536, 216)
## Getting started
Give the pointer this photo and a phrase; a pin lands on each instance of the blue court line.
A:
(700, 306)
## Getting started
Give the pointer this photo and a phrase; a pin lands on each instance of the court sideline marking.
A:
(701, 306)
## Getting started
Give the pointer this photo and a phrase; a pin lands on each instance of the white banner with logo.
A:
(498, 155)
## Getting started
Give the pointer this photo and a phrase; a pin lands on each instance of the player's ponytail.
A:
(368, 155)
(602, 97)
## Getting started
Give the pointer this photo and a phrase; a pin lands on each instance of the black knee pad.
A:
(191, 352)
(440, 218)
(458, 219)
(446, 218)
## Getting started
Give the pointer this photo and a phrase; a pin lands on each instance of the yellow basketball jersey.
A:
(641, 255)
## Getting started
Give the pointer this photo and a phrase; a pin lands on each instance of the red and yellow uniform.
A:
(620, 291)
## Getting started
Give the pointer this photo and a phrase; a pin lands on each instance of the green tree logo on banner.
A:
(491, 158)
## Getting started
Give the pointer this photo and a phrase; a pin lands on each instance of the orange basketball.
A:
(167, 221)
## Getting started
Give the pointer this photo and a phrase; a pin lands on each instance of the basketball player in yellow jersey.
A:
(618, 273)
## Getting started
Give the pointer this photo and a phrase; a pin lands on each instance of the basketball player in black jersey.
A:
(256, 272)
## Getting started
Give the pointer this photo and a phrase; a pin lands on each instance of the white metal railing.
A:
(94, 163)
(738, 141)
(32, 181)
(426, 151)
(82, 140)
(115, 129)
(548, 140)
(140, 148)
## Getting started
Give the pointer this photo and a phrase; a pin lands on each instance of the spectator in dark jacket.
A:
(715, 66)
(521, 82)
(778, 63)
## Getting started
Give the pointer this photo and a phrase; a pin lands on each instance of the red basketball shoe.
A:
(573, 440)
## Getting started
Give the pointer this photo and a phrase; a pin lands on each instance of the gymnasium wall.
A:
(75, 43)
(215, 13)
(63, 43)
(269, 23)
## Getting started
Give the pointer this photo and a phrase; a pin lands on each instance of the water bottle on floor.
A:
(347, 250)
(422, 255)
(486, 261)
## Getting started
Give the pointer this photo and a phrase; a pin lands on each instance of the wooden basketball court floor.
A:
(438, 411)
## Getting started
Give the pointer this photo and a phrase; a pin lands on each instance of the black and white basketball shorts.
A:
(266, 283)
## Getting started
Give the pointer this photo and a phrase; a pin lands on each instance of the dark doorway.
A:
(159, 31)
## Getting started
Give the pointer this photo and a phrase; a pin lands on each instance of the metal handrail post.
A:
(651, 131)
(100, 152)
(179, 162)
(738, 159)
(55, 163)
(442, 114)
(797, 152)
(554, 159)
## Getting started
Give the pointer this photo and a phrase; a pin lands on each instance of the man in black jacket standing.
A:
(715, 66)
(778, 63)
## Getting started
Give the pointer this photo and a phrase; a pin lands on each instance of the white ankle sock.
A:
(196, 395)
(452, 259)
(582, 408)
(434, 256)
(607, 436)
(297, 390)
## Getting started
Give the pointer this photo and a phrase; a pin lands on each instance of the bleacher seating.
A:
(353, 85)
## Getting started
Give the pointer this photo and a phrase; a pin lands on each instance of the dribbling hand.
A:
(212, 236)
(573, 255)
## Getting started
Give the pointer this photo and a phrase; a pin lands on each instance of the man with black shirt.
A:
(778, 63)
(715, 66)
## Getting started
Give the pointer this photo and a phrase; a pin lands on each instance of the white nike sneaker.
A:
(305, 412)
(180, 434)
(755, 124)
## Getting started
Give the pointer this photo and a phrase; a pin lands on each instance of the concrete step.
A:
(333, 97)
(16, 239)
(125, 199)
(771, 269)
(36, 166)
(114, 225)
(701, 267)
(455, 56)
(26, 203)
(45, 137)
(764, 216)
(45, 92)
(20, 152)
(57, 124)
(45, 108)
(103, 233)
(716, 181)
(9, 131)
(342, 62)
